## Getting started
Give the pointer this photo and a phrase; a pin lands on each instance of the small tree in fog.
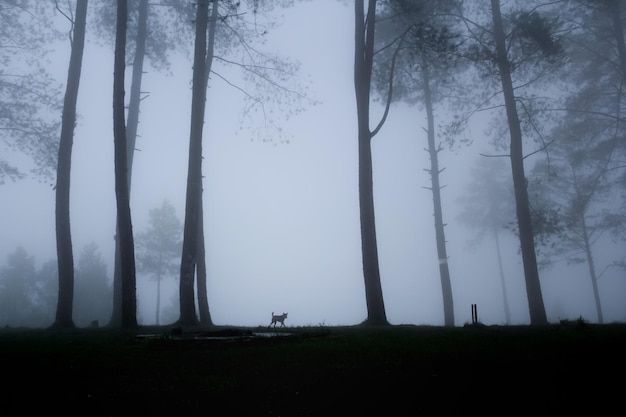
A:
(93, 294)
(158, 248)
(18, 291)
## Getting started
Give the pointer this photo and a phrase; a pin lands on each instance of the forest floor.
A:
(313, 371)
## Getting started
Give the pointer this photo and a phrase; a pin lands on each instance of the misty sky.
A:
(282, 219)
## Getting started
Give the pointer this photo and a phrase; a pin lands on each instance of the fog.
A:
(282, 217)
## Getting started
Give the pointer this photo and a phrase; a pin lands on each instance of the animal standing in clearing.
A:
(279, 318)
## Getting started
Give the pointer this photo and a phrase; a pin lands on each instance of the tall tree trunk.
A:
(444, 270)
(194, 173)
(363, 60)
(125, 228)
(65, 255)
(527, 243)
(131, 135)
(618, 31)
(203, 300)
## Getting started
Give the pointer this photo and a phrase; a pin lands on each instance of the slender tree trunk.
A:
(62, 210)
(203, 300)
(618, 30)
(131, 135)
(194, 174)
(505, 298)
(444, 271)
(127, 250)
(527, 243)
(592, 269)
(363, 60)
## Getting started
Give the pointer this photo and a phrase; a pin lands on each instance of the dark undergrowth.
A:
(315, 371)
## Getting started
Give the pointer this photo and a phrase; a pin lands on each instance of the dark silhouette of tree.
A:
(227, 28)
(201, 273)
(364, 31)
(93, 294)
(529, 258)
(30, 98)
(518, 56)
(424, 59)
(131, 137)
(124, 220)
(65, 256)
(488, 205)
(155, 31)
(194, 173)
(158, 248)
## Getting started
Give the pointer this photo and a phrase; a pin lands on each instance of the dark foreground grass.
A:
(350, 371)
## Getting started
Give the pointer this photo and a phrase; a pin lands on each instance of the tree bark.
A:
(618, 31)
(201, 273)
(125, 229)
(65, 255)
(363, 59)
(194, 172)
(131, 135)
(444, 270)
(527, 243)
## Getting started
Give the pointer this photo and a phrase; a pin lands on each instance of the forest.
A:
(378, 162)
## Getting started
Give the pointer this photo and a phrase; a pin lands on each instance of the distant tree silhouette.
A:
(158, 248)
(93, 292)
(15, 282)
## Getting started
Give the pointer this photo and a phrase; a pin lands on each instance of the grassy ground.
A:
(393, 371)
